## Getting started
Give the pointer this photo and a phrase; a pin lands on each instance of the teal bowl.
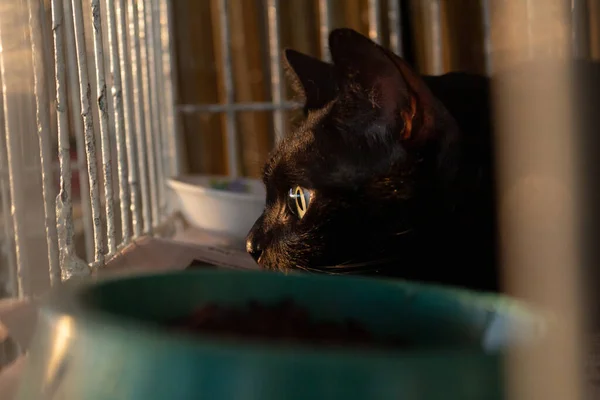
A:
(102, 340)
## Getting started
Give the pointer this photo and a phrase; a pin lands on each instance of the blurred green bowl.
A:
(100, 341)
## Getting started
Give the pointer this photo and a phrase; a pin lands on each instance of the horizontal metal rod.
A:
(216, 108)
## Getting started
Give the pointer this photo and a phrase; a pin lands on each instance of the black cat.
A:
(389, 174)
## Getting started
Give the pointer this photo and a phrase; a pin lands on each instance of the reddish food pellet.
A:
(282, 321)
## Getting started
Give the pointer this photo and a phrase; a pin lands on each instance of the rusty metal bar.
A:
(102, 102)
(119, 114)
(64, 205)
(43, 131)
(78, 130)
(73, 7)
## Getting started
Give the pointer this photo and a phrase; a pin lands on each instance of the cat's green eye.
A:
(299, 200)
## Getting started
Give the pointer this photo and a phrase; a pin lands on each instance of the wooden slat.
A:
(197, 83)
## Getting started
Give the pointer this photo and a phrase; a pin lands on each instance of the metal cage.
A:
(88, 95)
(88, 89)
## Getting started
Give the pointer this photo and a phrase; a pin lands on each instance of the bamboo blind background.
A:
(465, 43)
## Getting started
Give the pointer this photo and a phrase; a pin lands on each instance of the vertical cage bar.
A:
(395, 22)
(375, 32)
(530, 26)
(163, 107)
(146, 92)
(12, 151)
(73, 7)
(437, 56)
(102, 102)
(487, 32)
(138, 104)
(155, 133)
(580, 28)
(117, 96)
(231, 128)
(324, 27)
(539, 197)
(43, 132)
(11, 287)
(128, 118)
(172, 131)
(275, 61)
(78, 131)
(10, 247)
(163, 149)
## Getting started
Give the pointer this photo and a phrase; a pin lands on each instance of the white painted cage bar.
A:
(95, 91)
(130, 115)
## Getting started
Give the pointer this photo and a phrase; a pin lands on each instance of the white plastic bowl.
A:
(220, 211)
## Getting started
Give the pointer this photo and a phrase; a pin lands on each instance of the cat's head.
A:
(351, 185)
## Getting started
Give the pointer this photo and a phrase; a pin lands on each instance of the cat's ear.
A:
(311, 78)
(384, 80)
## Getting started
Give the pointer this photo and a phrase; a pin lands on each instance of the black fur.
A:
(400, 167)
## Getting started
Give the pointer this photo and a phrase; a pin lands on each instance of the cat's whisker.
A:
(349, 267)
(352, 266)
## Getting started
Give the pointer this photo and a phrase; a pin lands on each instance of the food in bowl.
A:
(235, 185)
(283, 322)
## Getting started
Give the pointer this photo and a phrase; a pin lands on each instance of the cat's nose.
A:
(253, 247)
